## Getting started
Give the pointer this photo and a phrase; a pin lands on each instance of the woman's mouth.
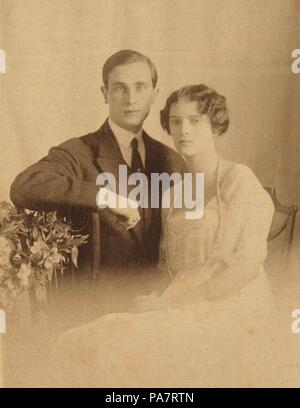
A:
(185, 142)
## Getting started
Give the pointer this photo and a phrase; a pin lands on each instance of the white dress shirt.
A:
(124, 139)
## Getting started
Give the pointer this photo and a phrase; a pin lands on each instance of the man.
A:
(65, 180)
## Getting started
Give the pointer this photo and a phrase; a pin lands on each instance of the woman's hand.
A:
(184, 290)
(144, 303)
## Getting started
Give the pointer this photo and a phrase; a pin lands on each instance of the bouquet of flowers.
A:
(34, 247)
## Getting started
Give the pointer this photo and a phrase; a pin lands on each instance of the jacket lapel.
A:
(109, 155)
(108, 159)
(152, 165)
(151, 155)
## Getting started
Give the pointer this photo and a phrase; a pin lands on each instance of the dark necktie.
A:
(136, 160)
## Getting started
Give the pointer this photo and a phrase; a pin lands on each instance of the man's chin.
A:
(132, 125)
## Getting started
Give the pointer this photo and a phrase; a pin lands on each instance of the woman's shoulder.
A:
(236, 172)
(240, 184)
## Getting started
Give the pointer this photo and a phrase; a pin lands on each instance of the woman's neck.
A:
(206, 164)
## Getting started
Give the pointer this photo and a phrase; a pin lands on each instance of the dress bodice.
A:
(234, 227)
(189, 243)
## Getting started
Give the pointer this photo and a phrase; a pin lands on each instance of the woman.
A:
(238, 211)
(211, 325)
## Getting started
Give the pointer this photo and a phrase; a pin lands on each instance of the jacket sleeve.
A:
(54, 183)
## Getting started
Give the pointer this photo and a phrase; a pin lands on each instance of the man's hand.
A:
(128, 217)
(125, 209)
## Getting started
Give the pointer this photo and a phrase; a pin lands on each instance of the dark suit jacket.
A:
(65, 180)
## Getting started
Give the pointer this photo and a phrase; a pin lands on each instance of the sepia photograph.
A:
(150, 166)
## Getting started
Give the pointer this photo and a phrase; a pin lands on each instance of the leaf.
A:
(35, 233)
(50, 274)
(74, 255)
(44, 235)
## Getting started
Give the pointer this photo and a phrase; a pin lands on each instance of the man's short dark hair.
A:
(125, 57)
(209, 103)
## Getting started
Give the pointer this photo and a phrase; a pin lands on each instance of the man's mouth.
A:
(131, 111)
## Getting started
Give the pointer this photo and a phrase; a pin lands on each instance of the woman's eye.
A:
(194, 121)
(174, 122)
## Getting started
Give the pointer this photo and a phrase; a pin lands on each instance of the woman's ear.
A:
(104, 93)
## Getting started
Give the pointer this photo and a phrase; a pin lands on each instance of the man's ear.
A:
(155, 94)
(104, 92)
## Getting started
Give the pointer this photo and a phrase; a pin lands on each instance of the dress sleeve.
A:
(248, 223)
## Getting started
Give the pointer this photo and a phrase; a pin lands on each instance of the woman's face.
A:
(191, 131)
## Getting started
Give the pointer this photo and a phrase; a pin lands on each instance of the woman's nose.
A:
(185, 130)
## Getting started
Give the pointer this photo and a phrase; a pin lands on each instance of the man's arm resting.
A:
(54, 183)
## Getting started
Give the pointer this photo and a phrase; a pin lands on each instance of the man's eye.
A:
(118, 88)
(140, 87)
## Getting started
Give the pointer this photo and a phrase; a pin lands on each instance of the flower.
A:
(52, 259)
(33, 245)
(39, 247)
(24, 274)
(45, 255)
(6, 210)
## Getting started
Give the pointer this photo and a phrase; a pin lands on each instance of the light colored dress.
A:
(227, 342)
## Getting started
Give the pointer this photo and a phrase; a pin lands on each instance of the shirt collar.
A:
(123, 136)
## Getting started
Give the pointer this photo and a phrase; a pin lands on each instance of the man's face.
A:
(129, 94)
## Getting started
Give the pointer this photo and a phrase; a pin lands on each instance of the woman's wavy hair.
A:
(209, 103)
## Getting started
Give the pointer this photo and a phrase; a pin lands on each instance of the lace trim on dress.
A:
(207, 270)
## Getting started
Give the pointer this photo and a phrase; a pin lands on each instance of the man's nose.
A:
(131, 96)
